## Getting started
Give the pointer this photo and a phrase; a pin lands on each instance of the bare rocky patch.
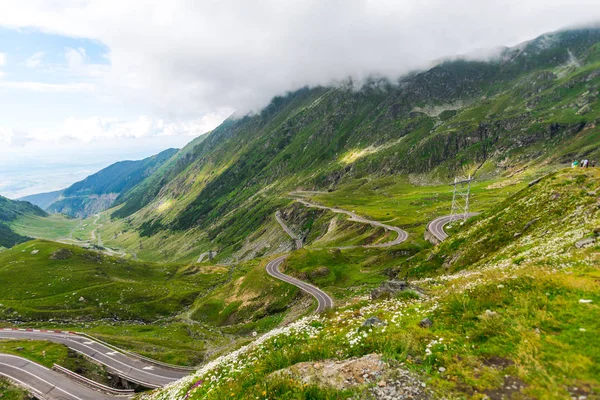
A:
(379, 379)
(61, 254)
(336, 374)
(511, 388)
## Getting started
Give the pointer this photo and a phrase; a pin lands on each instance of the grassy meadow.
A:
(517, 321)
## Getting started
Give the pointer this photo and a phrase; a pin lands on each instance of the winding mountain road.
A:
(323, 299)
(50, 385)
(45, 383)
(436, 227)
(402, 234)
(132, 368)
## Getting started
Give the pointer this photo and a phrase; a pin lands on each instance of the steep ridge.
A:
(10, 210)
(148, 189)
(529, 106)
(99, 191)
(43, 200)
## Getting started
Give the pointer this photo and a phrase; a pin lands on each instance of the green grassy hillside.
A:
(11, 392)
(45, 280)
(531, 109)
(530, 224)
(10, 211)
(517, 321)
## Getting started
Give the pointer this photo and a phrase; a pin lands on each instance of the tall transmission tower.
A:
(460, 198)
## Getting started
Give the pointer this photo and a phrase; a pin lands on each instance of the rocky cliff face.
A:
(83, 206)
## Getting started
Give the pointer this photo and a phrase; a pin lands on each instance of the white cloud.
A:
(95, 129)
(48, 87)
(6, 135)
(178, 57)
(35, 60)
(11, 138)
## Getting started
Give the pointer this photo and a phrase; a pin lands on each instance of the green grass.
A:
(496, 321)
(172, 312)
(538, 334)
(10, 392)
(538, 213)
(396, 201)
(86, 285)
(248, 296)
(52, 227)
(391, 200)
(173, 342)
(348, 272)
(41, 352)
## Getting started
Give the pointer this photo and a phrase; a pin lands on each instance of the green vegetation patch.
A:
(547, 218)
(45, 280)
(249, 296)
(10, 392)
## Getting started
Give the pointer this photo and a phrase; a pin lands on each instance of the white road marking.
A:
(37, 377)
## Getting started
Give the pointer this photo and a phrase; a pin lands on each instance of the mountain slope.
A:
(43, 200)
(519, 320)
(10, 210)
(144, 192)
(99, 191)
(534, 104)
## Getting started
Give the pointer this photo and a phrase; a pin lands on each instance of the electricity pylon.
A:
(460, 198)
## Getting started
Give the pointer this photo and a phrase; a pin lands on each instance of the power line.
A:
(460, 198)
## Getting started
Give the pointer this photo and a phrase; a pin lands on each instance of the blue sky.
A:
(58, 120)
(35, 57)
(84, 83)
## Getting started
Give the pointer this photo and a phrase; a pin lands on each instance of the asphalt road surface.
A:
(323, 299)
(436, 227)
(46, 383)
(51, 385)
(402, 235)
(132, 369)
